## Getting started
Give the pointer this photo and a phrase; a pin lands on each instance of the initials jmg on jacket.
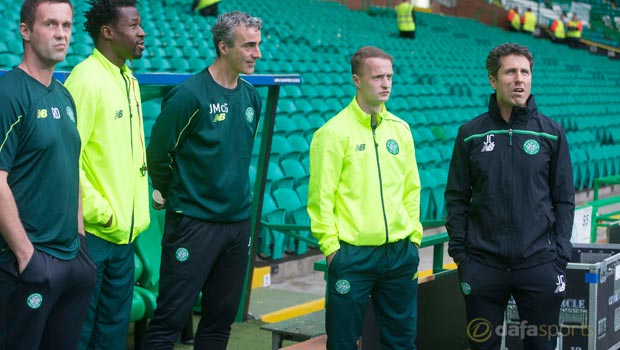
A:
(220, 110)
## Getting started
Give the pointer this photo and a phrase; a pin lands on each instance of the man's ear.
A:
(493, 82)
(356, 80)
(106, 32)
(223, 48)
(24, 31)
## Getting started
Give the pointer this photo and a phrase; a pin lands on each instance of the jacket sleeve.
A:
(458, 198)
(96, 208)
(179, 114)
(411, 197)
(562, 196)
(326, 158)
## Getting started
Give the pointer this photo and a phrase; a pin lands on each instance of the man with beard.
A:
(113, 164)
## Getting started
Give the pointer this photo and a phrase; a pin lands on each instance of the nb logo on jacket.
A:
(489, 145)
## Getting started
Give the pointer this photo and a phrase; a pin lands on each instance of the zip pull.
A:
(510, 136)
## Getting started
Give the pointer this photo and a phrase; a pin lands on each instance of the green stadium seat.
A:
(423, 135)
(294, 169)
(159, 64)
(8, 34)
(579, 160)
(9, 61)
(298, 142)
(196, 65)
(286, 106)
(437, 193)
(180, 65)
(277, 177)
(291, 91)
(151, 109)
(284, 126)
(271, 242)
(426, 203)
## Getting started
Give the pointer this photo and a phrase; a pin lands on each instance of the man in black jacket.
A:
(510, 200)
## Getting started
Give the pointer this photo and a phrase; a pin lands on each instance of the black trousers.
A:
(408, 35)
(538, 292)
(44, 307)
(199, 256)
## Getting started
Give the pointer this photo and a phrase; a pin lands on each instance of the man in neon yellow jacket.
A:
(364, 207)
(113, 165)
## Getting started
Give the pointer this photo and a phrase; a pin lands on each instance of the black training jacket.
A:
(510, 196)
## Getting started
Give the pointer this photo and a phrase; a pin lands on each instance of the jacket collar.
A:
(108, 65)
(519, 114)
(363, 117)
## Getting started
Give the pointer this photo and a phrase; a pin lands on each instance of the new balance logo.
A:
(489, 145)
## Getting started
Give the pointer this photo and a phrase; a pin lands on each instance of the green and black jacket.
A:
(510, 196)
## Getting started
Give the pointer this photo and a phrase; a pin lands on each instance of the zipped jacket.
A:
(364, 186)
(113, 157)
(510, 196)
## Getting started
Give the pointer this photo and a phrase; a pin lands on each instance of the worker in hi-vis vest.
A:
(206, 7)
(514, 19)
(405, 19)
(574, 28)
(528, 21)
(558, 32)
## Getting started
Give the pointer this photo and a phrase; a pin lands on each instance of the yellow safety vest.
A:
(573, 29)
(516, 21)
(404, 18)
(530, 21)
(559, 30)
(204, 3)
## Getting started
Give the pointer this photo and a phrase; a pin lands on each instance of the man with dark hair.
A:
(46, 274)
(364, 207)
(510, 202)
(113, 164)
(199, 159)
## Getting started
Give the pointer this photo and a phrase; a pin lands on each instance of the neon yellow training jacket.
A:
(109, 120)
(364, 186)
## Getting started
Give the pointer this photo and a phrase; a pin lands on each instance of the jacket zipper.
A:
(127, 89)
(374, 139)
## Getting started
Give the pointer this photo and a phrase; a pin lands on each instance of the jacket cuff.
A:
(329, 246)
(104, 216)
(416, 239)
